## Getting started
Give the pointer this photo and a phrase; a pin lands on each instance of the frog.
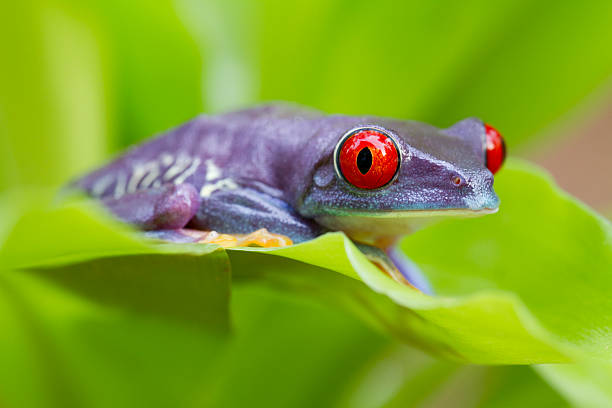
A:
(280, 174)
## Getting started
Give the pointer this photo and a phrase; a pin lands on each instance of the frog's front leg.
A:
(398, 266)
(253, 217)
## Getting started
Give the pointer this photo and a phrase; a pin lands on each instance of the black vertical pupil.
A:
(364, 160)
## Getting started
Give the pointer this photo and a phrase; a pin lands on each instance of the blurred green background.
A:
(80, 80)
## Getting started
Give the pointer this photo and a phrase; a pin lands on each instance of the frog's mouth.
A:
(396, 214)
(369, 227)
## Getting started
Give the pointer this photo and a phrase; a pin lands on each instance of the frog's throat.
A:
(375, 227)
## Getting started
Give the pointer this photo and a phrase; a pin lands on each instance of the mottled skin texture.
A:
(272, 167)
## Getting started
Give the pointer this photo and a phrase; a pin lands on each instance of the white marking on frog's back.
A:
(223, 184)
(153, 175)
(188, 172)
(181, 163)
(102, 184)
(120, 186)
(213, 172)
(166, 159)
(143, 172)
(144, 175)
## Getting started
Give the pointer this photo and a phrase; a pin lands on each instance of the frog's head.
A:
(383, 178)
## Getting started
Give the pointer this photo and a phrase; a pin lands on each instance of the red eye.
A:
(367, 158)
(496, 149)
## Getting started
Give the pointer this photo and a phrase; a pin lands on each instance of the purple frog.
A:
(280, 174)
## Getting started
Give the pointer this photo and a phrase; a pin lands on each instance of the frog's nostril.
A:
(458, 181)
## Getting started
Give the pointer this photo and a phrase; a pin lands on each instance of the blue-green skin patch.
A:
(273, 167)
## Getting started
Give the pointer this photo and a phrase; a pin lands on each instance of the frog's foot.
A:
(260, 238)
(397, 266)
(408, 270)
(381, 260)
(263, 238)
(391, 271)
(210, 237)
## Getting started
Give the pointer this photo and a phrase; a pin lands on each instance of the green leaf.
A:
(82, 249)
(505, 295)
(99, 295)
(490, 327)
(65, 349)
(59, 348)
(551, 251)
(587, 384)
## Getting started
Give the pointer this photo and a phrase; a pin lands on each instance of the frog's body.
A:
(275, 167)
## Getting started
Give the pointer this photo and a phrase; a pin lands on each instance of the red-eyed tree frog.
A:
(280, 174)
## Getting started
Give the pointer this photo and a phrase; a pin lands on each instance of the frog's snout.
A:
(490, 202)
(482, 196)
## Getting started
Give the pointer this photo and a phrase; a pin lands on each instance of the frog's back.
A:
(202, 150)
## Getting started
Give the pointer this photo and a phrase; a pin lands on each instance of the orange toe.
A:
(260, 238)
